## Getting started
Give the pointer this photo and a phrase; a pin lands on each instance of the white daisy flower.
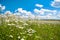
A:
(21, 27)
(7, 20)
(12, 24)
(18, 37)
(11, 36)
(31, 31)
(9, 24)
(22, 39)
(25, 24)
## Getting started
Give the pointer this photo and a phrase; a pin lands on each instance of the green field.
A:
(30, 30)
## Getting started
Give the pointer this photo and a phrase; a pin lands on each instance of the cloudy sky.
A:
(41, 9)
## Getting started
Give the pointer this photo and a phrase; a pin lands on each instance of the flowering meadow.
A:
(13, 27)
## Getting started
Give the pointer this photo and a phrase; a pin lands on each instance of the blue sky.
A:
(25, 4)
(34, 6)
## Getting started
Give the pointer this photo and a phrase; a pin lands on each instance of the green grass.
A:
(32, 31)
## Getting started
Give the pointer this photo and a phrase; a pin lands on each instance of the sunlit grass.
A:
(29, 31)
(12, 28)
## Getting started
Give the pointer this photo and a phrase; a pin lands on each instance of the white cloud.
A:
(8, 12)
(39, 5)
(2, 7)
(57, 0)
(44, 11)
(36, 11)
(24, 13)
(46, 14)
(58, 14)
(56, 3)
(39, 11)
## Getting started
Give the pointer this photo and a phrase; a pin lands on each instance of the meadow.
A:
(12, 28)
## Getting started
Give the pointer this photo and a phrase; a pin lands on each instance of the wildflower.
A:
(30, 34)
(22, 33)
(31, 31)
(22, 39)
(21, 21)
(25, 24)
(9, 24)
(11, 36)
(12, 24)
(7, 20)
(18, 37)
(21, 27)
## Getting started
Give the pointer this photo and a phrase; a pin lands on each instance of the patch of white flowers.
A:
(25, 24)
(11, 36)
(21, 21)
(30, 34)
(19, 27)
(18, 37)
(11, 24)
(22, 39)
(7, 20)
(31, 30)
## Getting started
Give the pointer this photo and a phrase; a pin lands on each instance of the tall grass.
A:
(13, 28)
